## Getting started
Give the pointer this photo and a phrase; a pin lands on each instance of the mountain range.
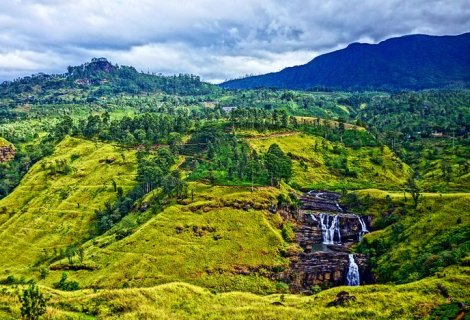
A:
(408, 62)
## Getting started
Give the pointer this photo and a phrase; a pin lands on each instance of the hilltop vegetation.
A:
(95, 79)
(321, 164)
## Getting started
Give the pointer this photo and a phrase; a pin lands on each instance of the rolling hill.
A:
(407, 62)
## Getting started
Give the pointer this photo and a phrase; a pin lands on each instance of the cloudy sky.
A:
(216, 39)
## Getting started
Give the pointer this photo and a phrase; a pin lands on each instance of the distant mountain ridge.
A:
(407, 62)
(97, 78)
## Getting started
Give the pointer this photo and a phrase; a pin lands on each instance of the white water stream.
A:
(352, 278)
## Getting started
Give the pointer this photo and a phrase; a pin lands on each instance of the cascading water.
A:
(352, 278)
(329, 229)
(338, 207)
(363, 227)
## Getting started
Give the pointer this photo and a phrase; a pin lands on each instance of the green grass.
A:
(185, 301)
(320, 169)
(48, 212)
(415, 242)
(213, 254)
(213, 240)
(5, 143)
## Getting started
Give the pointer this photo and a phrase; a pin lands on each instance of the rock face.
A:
(326, 232)
(324, 269)
(7, 153)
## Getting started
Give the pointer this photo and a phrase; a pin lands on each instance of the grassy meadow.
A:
(222, 238)
(185, 301)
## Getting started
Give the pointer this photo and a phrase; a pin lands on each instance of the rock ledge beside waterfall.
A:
(326, 231)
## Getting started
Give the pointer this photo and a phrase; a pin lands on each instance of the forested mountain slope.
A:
(407, 62)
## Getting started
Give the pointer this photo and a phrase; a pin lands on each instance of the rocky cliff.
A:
(326, 232)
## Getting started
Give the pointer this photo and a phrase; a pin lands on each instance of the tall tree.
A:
(278, 164)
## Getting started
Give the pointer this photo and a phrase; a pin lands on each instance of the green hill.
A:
(219, 246)
(415, 243)
(222, 238)
(183, 301)
(319, 163)
(53, 206)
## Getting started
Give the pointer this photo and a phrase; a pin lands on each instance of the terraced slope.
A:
(54, 205)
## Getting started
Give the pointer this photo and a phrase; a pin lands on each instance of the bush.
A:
(65, 285)
(11, 280)
(287, 232)
(33, 302)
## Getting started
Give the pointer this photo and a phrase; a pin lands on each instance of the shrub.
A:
(33, 302)
(287, 232)
(65, 285)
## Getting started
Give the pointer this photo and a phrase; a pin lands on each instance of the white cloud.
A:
(217, 39)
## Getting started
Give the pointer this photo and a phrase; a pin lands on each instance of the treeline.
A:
(154, 172)
(221, 158)
(101, 78)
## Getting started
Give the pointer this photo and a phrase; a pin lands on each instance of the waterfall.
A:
(338, 207)
(352, 278)
(328, 229)
(363, 227)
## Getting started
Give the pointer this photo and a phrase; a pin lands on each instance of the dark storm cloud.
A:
(213, 38)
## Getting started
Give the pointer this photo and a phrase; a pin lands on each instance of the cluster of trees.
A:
(427, 129)
(154, 171)
(301, 103)
(66, 285)
(221, 157)
(259, 119)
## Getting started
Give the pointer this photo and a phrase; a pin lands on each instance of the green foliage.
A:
(33, 302)
(416, 242)
(65, 285)
(287, 232)
(278, 164)
(449, 311)
(224, 159)
(413, 189)
(12, 280)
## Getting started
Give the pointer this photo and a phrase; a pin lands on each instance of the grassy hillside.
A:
(54, 205)
(319, 163)
(220, 237)
(183, 301)
(415, 243)
(208, 254)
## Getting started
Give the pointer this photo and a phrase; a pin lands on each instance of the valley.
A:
(127, 195)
